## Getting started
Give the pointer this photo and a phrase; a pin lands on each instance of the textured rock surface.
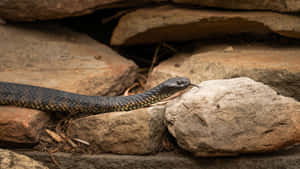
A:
(20, 125)
(52, 56)
(234, 116)
(136, 132)
(169, 23)
(286, 160)
(274, 5)
(27, 10)
(276, 65)
(11, 160)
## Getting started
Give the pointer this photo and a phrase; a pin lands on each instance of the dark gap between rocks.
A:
(93, 24)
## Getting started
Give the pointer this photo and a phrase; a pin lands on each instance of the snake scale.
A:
(52, 100)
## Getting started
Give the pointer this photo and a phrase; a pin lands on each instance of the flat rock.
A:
(285, 160)
(20, 125)
(135, 132)
(30, 10)
(276, 65)
(168, 23)
(11, 160)
(233, 116)
(274, 5)
(53, 56)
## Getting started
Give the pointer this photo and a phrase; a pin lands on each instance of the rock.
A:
(167, 23)
(275, 5)
(20, 125)
(174, 160)
(276, 65)
(228, 49)
(52, 56)
(30, 10)
(11, 160)
(136, 132)
(233, 116)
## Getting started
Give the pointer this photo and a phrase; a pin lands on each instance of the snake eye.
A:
(179, 82)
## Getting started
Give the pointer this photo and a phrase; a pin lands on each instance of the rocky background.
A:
(245, 56)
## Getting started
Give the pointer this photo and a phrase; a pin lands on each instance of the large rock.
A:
(276, 66)
(167, 23)
(20, 125)
(233, 116)
(174, 160)
(52, 56)
(11, 160)
(29, 10)
(274, 5)
(136, 132)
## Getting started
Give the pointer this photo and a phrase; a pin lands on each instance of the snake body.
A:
(52, 100)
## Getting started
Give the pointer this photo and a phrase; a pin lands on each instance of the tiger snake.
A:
(52, 100)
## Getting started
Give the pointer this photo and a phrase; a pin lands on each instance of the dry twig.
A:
(126, 93)
(169, 47)
(155, 58)
(115, 16)
(53, 159)
(54, 136)
(81, 141)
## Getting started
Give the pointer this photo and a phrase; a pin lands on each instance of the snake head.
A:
(179, 83)
(176, 84)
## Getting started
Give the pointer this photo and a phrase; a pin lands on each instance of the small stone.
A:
(233, 116)
(11, 160)
(228, 49)
(135, 132)
(21, 125)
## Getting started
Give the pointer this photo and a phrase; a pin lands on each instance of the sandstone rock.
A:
(11, 160)
(136, 132)
(167, 23)
(275, 65)
(274, 5)
(230, 117)
(29, 10)
(170, 160)
(20, 125)
(52, 56)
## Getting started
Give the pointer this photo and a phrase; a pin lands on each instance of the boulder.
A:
(277, 65)
(274, 5)
(135, 132)
(30, 10)
(169, 23)
(53, 56)
(20, 125)
(11, 160)
(233, 116)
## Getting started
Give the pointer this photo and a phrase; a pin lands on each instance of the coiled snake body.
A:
(52, 100)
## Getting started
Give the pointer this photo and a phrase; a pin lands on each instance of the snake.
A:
(53, 100)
